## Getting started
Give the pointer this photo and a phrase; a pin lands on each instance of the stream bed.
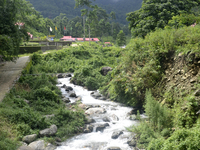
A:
(109, 122)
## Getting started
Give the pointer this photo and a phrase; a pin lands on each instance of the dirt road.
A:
(9, 73)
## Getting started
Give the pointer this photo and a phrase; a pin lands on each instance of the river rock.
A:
(116, 134)
(66, 100)
(89, 120)
(114, 117)
(106, 119)
(82, 106)
(78, 99)
(49, 131)
(68, 75)
(114, 148)
(58, 82)
(105, 70)
(63, 86)
(96, 95)
(72, 94)
(60, 75)
(88, 129)
(131, 142)
(37, 145)
(29, 138)
(24, 147)
(101, 127)
(68, 88)
(96, 110)
(50, 147)
(102, 98)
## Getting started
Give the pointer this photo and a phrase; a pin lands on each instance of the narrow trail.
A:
(9, 72)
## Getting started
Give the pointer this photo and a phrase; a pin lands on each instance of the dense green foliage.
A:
(156, 14)
(10, 34)
(29, 101)
(121, 39)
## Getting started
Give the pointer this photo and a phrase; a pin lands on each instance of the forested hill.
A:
(52, 8)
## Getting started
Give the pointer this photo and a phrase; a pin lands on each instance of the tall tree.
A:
(10, 33)
(156, 14)
(121, 39)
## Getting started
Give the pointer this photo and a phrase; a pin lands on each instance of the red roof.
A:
(78, 39)
(107, 43)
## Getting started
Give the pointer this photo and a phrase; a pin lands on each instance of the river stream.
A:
(101, 140)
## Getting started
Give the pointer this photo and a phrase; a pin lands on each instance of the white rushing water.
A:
(99, 140)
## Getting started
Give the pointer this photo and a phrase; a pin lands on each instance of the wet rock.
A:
(72, 94)
(68, 88)
(133, 112)
(131, 142)
(49, 131)
(116, 134)
(102, 98)
(66, 100)
(114, 117)
(60, 75)
(114, 148)
(68, 75)
(24, 147)
(50, 147)
(96, 95)
(97, 110)
(88, 129)
(89, 120)
(106, 119)
(37, 145)
(101, 127)
(29, 138)
(105, 70)
(63, 86)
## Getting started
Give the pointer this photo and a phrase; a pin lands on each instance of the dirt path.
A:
(9, 73)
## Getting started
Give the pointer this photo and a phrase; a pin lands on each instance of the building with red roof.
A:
(70, 38)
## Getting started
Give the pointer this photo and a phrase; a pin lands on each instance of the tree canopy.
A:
(156, 14)
(10, 33)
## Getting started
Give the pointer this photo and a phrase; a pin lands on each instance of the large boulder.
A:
(29, 138)
(101, 127)
(49, 131)
(116, 134)
(24, 147)
(61, 75)
(37, 145)
(97, 110)
(105, 70)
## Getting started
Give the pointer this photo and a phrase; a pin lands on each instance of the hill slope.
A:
(52, 8)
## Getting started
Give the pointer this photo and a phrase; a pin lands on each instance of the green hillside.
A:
(52, 8)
